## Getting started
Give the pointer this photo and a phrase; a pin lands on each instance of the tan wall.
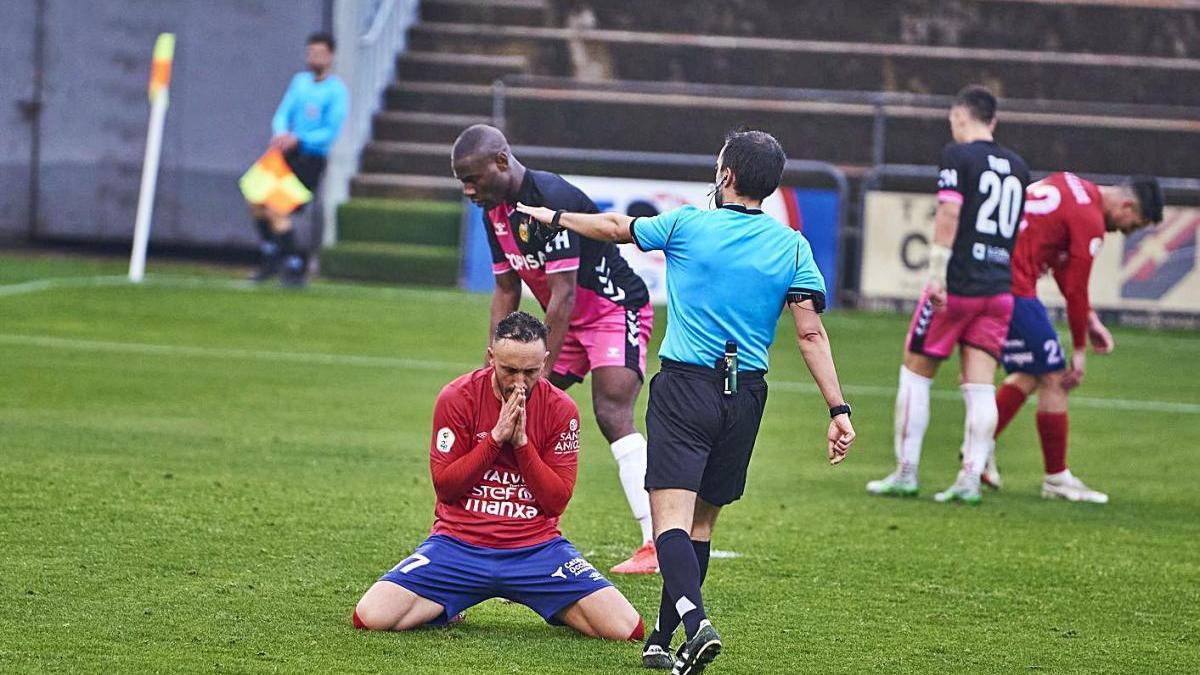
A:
(898, 225)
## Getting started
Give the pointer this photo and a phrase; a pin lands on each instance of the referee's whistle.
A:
(731, 368)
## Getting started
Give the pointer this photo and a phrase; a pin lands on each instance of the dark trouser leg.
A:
(268, 248)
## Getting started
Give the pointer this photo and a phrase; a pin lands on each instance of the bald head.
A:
(479, 139)
(482, 161)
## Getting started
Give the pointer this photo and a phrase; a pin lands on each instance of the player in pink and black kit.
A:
(1066, 219)
(503, 456)
(597, 309)
(981, 189)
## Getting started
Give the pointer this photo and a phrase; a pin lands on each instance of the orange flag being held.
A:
(271, 182)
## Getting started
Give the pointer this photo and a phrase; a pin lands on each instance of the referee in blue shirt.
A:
(304, 128)
(730, 271)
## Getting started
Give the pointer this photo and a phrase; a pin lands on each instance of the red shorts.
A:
(980, 322)
(617, 338)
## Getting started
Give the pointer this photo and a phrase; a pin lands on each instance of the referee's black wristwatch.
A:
(839, 410)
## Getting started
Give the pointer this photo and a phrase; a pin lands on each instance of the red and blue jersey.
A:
(1062, 232)
(605, 281)
(495, 495)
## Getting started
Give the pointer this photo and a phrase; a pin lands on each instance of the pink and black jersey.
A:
(989, 181)
(605, 280)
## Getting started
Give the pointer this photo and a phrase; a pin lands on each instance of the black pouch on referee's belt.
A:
(727, 366)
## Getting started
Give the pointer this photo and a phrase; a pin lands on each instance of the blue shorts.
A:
(545, 578)
(1032, 344)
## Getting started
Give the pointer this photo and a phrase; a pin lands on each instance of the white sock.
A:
(979, 430)
(630, 453)
(912, 418)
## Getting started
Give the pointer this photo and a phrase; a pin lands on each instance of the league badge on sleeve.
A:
(445, 440)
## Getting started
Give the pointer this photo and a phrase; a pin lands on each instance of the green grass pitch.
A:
(200, 476)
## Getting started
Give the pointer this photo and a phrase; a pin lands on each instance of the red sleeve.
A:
(1072, 278)
(456, 466)
(1073, 281)
(549, 463)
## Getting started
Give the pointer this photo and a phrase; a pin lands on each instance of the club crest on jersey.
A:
(523, 231)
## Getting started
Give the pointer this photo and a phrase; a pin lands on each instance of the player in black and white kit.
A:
(967, 300)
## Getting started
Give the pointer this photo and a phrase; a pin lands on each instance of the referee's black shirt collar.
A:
(741, 209)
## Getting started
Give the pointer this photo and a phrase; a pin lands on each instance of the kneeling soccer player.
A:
(503, 457)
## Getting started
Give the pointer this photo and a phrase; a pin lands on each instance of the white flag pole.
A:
(160, 79)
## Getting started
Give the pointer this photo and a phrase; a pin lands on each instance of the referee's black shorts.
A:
(308, 169)
(698, 438)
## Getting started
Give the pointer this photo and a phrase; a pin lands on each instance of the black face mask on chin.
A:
(715, 195)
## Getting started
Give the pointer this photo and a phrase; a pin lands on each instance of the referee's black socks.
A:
(668, 618)
(268, 247)
(679, 565)
(264, 229)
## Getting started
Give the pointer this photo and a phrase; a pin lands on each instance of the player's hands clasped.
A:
(510, 427)
(518, 436)
(841, 436)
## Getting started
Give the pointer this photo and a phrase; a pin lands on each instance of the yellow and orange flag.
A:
(272, 183)
(160, 65)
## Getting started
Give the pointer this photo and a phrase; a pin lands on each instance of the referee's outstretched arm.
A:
(814, 347)
(612, 227)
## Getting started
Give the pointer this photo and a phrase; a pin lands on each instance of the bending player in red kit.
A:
(1066, 218)
(504, 454)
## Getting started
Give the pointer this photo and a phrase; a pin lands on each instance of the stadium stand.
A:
(1102, 86)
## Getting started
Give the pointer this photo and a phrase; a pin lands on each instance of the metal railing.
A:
(880, 106)
(371, 34)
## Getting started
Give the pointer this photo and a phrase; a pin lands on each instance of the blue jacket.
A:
(313, 111)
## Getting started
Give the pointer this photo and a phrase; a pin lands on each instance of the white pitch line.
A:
(63, 282)
(308, 358)
(950, 395)
(175, 281)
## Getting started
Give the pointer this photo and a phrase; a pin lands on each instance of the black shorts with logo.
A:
(308, 168)
(698, 438)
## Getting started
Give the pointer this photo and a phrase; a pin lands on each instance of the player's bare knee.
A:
(382, 608)
(619, 620)
(920, 364)
(1024, 381)
(1052, 392)
(1052, 382)
(370, 614)
(621, 628)
(614, 418)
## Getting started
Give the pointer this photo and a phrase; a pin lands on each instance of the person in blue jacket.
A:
(304, 128)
